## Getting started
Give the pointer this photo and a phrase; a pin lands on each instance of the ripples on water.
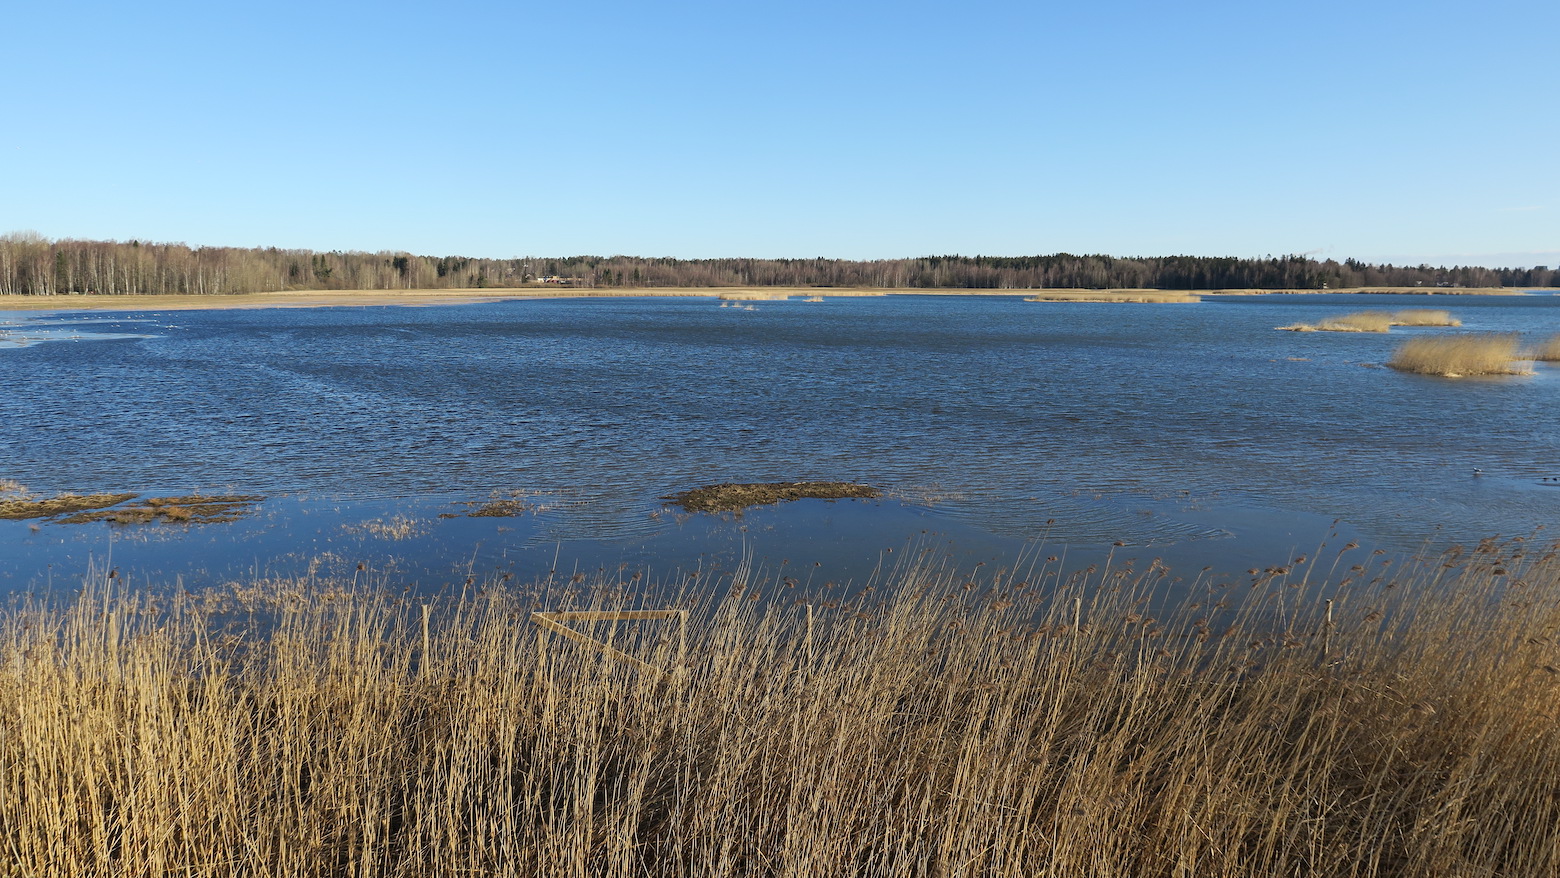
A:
(1148, 424)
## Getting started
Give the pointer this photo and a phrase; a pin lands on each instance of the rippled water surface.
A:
(1197, 428)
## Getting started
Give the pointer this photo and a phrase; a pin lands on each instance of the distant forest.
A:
(35, 266)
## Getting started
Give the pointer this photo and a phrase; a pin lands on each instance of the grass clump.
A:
(753, 295)
(1360, 321)
(1312, 721)
(731, 497)
(1548, 350)
(190, 509)
(1140, 297)
(1457, 356)
(17, 504)
(1424, 317)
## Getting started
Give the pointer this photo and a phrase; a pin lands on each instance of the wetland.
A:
(528, 435)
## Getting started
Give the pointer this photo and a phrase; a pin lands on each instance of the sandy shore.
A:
(359, 298)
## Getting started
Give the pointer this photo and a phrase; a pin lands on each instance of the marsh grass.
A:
(734, 497)
(189, 509)
(1025, 723)
(396, 527)
(1457, 356)
(1360, 321)
(1141, 297)
(1548, 350)
(1424, 317)
(18, 505)
(753, 295)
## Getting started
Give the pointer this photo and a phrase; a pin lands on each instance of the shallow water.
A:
(1196, 432)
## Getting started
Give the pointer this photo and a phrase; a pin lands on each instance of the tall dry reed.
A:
(1424, 317)
(1111, 723)
(1548, 350)
(1457, 356)
(1360, 321)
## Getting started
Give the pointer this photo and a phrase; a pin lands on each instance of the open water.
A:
(1192, 432)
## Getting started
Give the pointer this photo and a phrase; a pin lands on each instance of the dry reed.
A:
(1457, 356)
(1424, 317)
(1360, 321)
(1138, 297)
(1548, 350)
(1319, 719)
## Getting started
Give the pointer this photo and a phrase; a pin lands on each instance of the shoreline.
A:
(418, 298)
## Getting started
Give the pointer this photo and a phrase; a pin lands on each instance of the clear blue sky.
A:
(1386, 131)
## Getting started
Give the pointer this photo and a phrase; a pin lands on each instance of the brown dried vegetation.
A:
(1306, 722)
(733, 497)
(192, 509)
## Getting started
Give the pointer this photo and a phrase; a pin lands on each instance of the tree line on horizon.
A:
(33, 265)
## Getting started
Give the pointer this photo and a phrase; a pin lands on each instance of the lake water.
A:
(1192, 432)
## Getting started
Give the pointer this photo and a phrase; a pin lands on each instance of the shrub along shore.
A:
(1333, 715)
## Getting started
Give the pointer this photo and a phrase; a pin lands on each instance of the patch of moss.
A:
(23, 507)
(735, 497)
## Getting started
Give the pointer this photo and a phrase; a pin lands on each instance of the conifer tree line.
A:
(33, 265)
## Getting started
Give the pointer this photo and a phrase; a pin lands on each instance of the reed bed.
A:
(1548, 350)
(1424, 317)
(1360, 321)
(1136, 297)
(1330, 717)
(1464, 355)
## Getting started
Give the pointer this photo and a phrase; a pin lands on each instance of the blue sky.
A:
(1385, 131)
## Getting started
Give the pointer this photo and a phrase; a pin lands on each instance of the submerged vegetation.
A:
(16, 503)
(1327, 717)
(1458, 356)
(735, 497)
(191, 509)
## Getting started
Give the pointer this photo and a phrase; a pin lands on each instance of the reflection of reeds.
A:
(1456, 356)
(1020, 725)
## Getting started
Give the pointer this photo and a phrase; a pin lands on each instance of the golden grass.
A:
(397, 527)
(1359, 321)
(1144, 297)
(1548, 350)
(754, 295)
(190, 509)
(1458, 356)
(1323, 718)
(1424, 317)
(729, 497)
(17, 504)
